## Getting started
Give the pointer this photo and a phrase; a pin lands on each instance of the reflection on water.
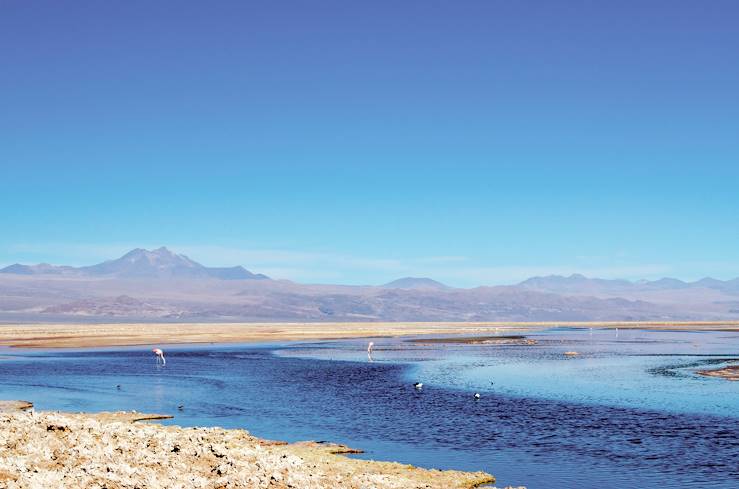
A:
(627, 411)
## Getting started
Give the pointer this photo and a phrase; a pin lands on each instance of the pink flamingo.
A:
(160, 356)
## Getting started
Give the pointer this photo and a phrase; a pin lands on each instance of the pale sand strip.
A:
(98, 335)
(729, 373)
(64, 450)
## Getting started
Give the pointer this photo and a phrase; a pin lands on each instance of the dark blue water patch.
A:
(535, 442)
(682, 445)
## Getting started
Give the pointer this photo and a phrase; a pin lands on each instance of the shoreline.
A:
(730, 373)
(57, 449)
(70, 335)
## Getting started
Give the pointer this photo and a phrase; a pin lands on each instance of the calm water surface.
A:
(628, 412)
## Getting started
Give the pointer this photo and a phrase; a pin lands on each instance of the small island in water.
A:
(477, 340)
(729, 373)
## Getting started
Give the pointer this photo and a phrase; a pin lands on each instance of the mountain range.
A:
(579, 284)
(419, 283)
(160, 263)
(160, 285)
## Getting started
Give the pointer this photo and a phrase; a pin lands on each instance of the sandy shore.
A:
(97, 335)
(476, 340)
(729, 373)
(64, 450)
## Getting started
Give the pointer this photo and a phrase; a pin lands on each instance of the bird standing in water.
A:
(160, 356)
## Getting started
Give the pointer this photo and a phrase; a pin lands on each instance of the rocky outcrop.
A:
(62, 450)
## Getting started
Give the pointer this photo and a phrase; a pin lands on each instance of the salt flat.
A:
(129, 334)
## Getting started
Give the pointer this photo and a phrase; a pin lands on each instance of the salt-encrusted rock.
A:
(49, 449)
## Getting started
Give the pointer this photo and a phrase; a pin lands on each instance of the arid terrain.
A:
(162, 286)
(111, 450)
(70, 335)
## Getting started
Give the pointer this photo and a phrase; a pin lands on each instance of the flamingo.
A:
(160, 356)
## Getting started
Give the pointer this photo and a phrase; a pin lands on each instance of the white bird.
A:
(477, 395)
(160, 356)
(418, 385)
(369, 347)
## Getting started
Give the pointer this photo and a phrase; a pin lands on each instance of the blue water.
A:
(629, 411)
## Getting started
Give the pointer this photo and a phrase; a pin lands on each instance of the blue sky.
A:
(357, 142)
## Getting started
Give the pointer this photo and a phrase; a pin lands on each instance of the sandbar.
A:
(71, 335)
(477, 340)
(729, 373)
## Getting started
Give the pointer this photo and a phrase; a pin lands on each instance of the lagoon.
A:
(629, 410)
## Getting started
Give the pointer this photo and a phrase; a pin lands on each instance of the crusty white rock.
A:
(107, 450)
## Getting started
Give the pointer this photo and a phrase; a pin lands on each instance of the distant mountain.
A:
(159, 263)
(110, 306)
(574, 283)
(140, 263)
(579, 284)
(710, 283)
(235, 273)
(723, 285)
(667, 283)
(41, 268)
(160, 285)
(415, 283)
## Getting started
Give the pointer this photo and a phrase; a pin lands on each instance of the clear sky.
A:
(476, 142)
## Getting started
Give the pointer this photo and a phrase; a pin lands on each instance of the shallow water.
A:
(628, 411)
